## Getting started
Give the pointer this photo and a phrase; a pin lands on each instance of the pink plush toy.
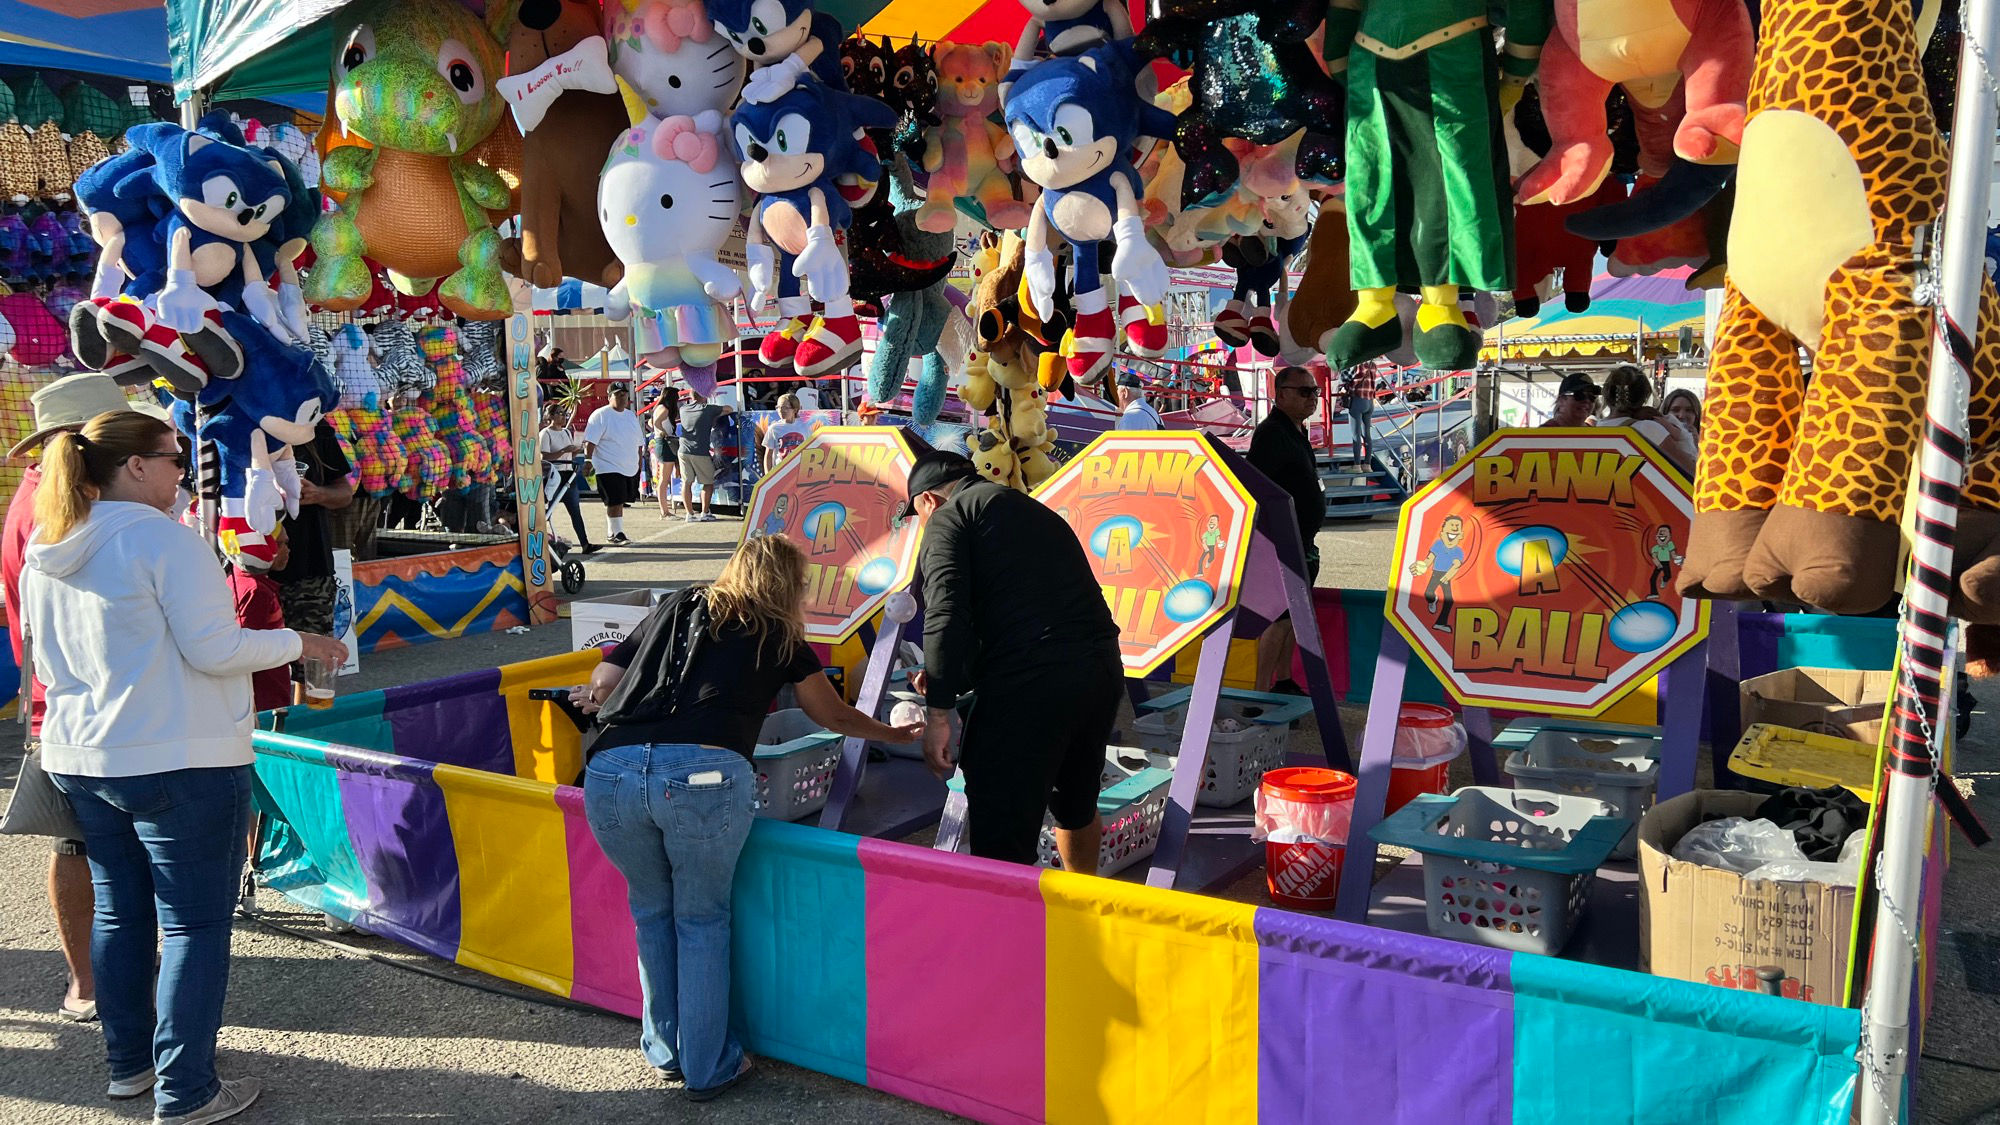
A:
(970, 155)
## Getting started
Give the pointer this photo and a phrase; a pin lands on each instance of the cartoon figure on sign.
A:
(1447, 558)
(1211, 542)
(1665, 557)
(774, 524)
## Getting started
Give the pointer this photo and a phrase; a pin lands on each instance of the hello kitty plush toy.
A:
(669, 53)
(667, 200)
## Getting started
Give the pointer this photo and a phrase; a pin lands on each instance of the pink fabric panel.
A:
(956, 1002)
(606, 951)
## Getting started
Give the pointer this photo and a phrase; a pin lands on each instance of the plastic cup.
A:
(319, 675)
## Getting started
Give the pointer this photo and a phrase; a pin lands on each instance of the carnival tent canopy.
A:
(1621, 309)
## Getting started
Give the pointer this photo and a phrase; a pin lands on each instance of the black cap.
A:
(934, 470)
(1578, 385)
(1127, 379)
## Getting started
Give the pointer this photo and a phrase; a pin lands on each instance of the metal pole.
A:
(1918, 719)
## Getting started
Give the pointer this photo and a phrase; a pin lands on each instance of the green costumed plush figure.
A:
(1428, 203)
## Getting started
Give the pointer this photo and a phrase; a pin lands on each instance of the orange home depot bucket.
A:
(1305, 874)
(1428, 737)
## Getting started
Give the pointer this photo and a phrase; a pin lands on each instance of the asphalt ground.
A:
(352, 1028)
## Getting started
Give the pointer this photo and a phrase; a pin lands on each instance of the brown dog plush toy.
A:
(560, 88)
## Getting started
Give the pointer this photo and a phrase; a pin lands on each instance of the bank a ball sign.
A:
(1539, 571)
(836, 496)
(1167, 531)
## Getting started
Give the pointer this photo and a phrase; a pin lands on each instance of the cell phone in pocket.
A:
(705, 777)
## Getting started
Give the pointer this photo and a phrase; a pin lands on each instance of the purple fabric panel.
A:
(1757, 640)
(1359, 1024)
(401, 832)
(458, 721)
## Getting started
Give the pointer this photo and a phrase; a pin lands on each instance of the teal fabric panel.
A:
(801, 919)
(304, 850)
(1598, 1044)
(1364, 649)
(353, 720)
(1817, 640)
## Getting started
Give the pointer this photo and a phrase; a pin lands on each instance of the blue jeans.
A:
(166, 850)
(673, 819)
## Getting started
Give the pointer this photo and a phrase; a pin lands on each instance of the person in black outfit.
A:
(306, 587)
(669, 791)
(1281, 450)
(1013, 611)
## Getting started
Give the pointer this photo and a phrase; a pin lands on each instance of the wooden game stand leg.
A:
(874, 681)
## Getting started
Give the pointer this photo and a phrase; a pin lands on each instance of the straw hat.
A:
(72, 400)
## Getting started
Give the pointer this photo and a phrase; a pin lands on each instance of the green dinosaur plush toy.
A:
(414, 79)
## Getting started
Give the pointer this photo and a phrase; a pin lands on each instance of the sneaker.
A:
(592, 548)
(782, 343)
(132, 1087)
(1142, 334)
(671, 1074)
(829, 343)
(1088, 348)
(741, 1076)
(618, 540)
(706, 517)
(1232, 325)
(234, 1097)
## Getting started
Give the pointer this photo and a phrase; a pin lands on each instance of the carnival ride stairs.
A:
(1360, 489)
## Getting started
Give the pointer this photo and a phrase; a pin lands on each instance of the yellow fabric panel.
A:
(1239, 672)
(513, 877)
(929, 20)
(1152, 1004)
(1640, 706)
(547, 746)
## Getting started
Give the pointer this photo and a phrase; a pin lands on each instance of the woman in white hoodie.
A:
(148, 732)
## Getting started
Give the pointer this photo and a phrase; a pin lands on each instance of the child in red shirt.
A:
(257, 606)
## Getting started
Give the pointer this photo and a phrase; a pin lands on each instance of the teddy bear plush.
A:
(969, 156)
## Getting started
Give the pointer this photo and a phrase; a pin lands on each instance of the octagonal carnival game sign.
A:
(1166, 527)
(1538, 572)
(836, 497)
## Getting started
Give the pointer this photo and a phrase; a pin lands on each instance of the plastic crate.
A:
(1509, 868)
(1132, 807)
(1620, 769)
(1778, 757)
(795, 763)
(1237, 760)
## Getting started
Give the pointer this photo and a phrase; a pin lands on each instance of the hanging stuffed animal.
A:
(1427, 191)
(1800, 487)
(1253, 79)
(1259, 263)
(416, 199)
(253, 423)
(670, 54)
(560, 87)
(1065, 29)
(668, 200)
(913, 320)
(795, 148)
(1074, 122)
(785, 40)
(1685, 72)
(969, 156)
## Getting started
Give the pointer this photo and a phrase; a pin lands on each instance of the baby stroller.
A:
(555, 485)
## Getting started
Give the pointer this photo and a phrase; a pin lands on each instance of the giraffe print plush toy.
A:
(1802, 480)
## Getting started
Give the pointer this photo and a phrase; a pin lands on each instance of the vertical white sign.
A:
(344, 612)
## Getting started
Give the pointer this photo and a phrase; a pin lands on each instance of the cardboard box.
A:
(1843, 702)
(611, 618)
(1706, 924)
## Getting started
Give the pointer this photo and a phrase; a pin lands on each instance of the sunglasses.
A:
(180, 459)
(1309, 390)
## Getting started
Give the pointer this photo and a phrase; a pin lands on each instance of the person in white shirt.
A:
(786, 434)
(147, 733)
(615, 441)
(1139, 414)
(1628, 394)
(560, 450)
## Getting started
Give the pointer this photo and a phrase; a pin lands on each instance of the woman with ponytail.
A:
(148, 733)
(1628, 395)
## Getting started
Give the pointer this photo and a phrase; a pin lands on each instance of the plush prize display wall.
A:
(1091, 999)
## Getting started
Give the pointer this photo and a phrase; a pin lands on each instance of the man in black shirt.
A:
(1013, 611)
(1281, 450)
(306, 588)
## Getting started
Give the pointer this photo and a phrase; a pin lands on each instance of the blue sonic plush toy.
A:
(196, 221)
(784, 41)
(253, 422)
(794, 151)
(1074, 122)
